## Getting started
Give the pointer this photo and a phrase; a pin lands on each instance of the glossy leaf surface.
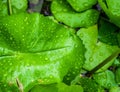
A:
(35, 50)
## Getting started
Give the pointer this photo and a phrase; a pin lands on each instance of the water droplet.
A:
(5, 75)
(5, 85)
(76, 46)
(22, 28)
(76, 67)
(68, 78)
(11, 38)
(109, 85)
(23, 39)
(81, 35)
(51, 77)
(61, 35)
(90, 59)
(73, 72)
(10, 64)
(46, 59)
(85, 4)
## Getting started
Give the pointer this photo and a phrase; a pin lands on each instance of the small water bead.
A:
(85, 4)
(64, 10)
(68, 79)
(26, 18)
(23, 39)
(5, 75)
(101, 54)
(11, 64)
(76, 67)
(15, 24)
(90, 59)
(51, 76)
(57, 36)
(40, 80)
(22, 28)
(73, 72)
(81, 35)
(109, 84)
(11, 38)
(46, 59)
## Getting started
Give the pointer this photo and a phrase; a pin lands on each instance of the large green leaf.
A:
(17, 6)
(61, 87)
(64, 13)
(81, 5)
(96, 51)
(35, 50)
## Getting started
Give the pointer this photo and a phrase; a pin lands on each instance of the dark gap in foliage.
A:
(46, 8)
(35, 5)
(105, 3)
(97, 7)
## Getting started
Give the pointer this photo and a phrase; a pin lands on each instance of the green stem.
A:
(114, 55)
(9, 7)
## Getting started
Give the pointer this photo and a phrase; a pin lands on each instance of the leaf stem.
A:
(114, 55)
(9, 7)
(19, 84)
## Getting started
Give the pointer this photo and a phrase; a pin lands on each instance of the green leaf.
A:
(117, 75)
(81, 5)
(8, 88)
(112, 10)
(64, 13)
(107, 32)
(118, 36)
(35, 50)
(115, 89)
(61, 87)
(17, 6)
(96, 51)
(89, 85)
(105, 79)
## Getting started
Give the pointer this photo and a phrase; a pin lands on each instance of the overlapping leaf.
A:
(61, 87)
(64, 13)
(105, 79)
(96, 51)
(112, 10)
(81, 5)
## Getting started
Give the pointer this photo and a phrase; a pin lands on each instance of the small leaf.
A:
(107, 32)
(81, 5)
(96, 52)
(112, 10)
(63, 12)
(117, 75)
(105, 79)
(89, 85)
